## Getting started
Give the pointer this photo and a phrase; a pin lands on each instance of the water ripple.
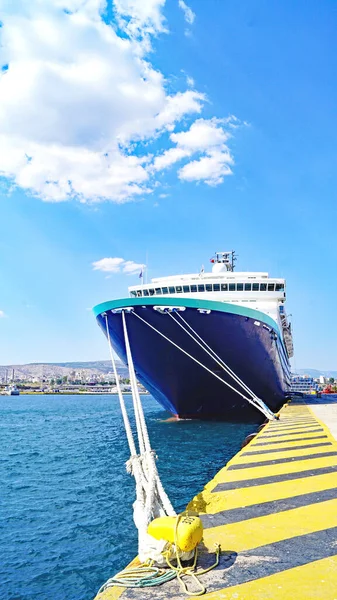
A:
(66, 503)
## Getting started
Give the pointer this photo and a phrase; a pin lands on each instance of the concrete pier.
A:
(273, 509)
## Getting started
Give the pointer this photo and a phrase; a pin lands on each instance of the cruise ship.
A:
(207, 345)
(303, 385)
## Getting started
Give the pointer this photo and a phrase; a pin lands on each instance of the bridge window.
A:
(279, 287)
(208, 287)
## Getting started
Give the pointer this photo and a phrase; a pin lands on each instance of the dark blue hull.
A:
(252, 349)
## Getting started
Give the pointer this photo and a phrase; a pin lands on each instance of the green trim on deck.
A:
(189, 303)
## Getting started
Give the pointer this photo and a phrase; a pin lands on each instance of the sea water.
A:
(66, 500)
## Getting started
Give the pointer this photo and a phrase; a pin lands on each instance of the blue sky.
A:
(225, 124)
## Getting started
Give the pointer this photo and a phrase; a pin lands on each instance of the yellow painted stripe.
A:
(285, 436)
(251, 473)
(253, 446)
(291, 417)
(285, 454)
(273, 430)
(297, 419)
(268, 431)
(289, 420)
(282, 469)
(313, 581)
(252, 533)
(300, 583)
(294, 419)
(229, 499)
(282, 433)
(282, 439)
(223, 473)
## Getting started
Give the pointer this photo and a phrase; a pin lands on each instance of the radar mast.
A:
(225, 259)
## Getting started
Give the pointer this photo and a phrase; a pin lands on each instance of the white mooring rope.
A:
(133, 464)
(219, 361)
(255, 401)
(151, 498)
(155, 481)
(144, 444)
(127, 425)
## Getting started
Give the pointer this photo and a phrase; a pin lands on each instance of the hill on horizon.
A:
(63, 369)
(316, 373)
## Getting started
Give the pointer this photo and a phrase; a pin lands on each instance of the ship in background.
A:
(304, 385)
(239, 317)
(12, 390)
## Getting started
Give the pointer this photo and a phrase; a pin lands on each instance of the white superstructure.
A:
(303, 384)
(254, 290)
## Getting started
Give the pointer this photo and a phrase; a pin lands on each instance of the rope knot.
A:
(130, 464)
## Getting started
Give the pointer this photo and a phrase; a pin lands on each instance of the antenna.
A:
(227, 259)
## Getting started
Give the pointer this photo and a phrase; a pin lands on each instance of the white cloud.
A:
(76, 98)
(190, 81)
(208, 138)
(108, 265)
(203, 134)
(117, 265)
(188, 12)
(179, 105)
(140, 17)
(211, 169)
(168, 158)
(2, 314)
(130, 267)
